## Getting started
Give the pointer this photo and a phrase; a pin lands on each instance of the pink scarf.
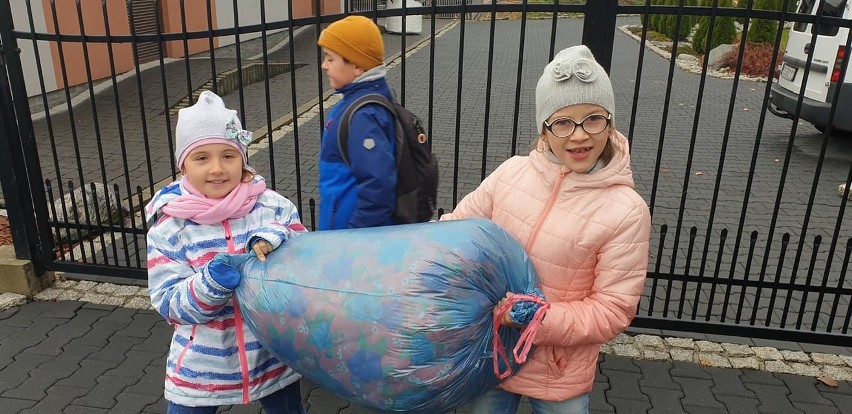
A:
(203, 210)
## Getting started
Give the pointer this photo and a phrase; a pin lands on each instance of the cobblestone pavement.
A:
(86, 347)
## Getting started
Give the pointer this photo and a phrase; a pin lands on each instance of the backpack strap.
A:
(346, 120)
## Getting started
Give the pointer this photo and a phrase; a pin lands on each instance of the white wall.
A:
(28, 60)
(249, 11)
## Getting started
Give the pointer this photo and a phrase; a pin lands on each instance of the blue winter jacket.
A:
(362, 194)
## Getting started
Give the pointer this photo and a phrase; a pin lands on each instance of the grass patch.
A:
(546, 15)
(652, 35)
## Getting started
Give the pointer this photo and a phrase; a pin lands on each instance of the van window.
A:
(832, 8)
(805, 7)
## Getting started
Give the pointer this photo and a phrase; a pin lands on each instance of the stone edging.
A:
(641, 346)
(727, 355)
(124, 296)
(689, 66)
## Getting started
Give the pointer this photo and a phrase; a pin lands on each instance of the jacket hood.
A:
(163, 197)
(617, 172)
(371, 79)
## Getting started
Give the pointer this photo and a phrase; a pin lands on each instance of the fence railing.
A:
(750, 234)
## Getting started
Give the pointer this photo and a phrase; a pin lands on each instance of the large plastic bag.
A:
(394, 318)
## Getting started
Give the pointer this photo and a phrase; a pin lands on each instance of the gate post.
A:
(20, 170)
(599, 29)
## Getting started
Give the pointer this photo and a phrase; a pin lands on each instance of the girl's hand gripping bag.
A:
(398, 318)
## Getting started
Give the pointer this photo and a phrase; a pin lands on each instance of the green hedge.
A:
(723, 32)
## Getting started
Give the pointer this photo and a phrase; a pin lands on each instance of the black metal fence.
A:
(751, 235)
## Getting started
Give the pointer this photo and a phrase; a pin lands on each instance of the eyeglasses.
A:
(592, 124)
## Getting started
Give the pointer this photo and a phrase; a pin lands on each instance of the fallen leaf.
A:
(831, 382)
(664, 170)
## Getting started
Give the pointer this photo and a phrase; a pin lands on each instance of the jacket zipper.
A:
(550, 202)
(333, 213)
(179, 362)
(238, 323)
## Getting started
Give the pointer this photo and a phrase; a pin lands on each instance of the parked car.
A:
(824, 78)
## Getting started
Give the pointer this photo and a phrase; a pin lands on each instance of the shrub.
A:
(757, 60)
(685, 22)
(761, 30)
(700, 36)
(666, 23)
(723, 31)
(741, 4)
(655, 21)
(688, 21)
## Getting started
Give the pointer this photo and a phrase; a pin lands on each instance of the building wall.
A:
(73, 62)
(72, 53)
(307, 8)
(195, 15)
(20, 17)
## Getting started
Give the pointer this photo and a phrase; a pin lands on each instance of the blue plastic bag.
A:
(394, 318)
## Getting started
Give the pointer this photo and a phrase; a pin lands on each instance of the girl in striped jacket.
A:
(218, 206)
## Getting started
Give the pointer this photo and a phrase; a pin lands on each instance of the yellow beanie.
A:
(357, 39)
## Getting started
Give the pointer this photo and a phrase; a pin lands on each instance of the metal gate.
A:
(750, 236)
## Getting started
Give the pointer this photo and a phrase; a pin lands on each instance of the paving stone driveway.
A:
(77, 357)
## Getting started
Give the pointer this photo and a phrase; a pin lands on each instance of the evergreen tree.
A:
(687, 21)
(762, 30)
(654, 20)
(700, 36)
(723, 32)
(668, 21)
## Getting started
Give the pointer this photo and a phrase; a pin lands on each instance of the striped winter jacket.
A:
(213, 359)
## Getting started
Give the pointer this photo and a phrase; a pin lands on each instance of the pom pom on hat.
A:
(357, 39)
(209, 121)
(572, 77)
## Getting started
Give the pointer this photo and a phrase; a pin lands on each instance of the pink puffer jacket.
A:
(587, 236)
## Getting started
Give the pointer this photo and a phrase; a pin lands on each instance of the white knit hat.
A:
(208, 122)
(572, 77)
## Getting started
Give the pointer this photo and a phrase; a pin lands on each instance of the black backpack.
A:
(417, 167)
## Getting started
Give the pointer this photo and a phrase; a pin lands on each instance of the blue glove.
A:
(223, 273)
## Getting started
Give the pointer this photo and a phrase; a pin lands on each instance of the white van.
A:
(824, 78)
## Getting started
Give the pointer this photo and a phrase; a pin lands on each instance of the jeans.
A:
(284, 401)
(498, 401)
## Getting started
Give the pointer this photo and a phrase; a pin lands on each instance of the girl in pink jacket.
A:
(571, 203)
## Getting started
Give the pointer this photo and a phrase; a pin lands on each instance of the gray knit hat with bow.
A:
(572, 77)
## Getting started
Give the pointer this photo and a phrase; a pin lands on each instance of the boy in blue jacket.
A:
(361, 193)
